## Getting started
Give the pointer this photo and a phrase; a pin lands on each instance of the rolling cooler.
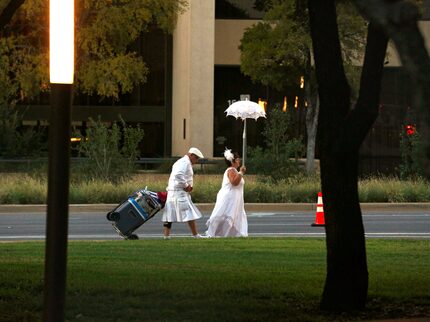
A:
(132, 213)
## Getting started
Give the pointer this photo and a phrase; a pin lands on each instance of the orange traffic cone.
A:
(319, 220)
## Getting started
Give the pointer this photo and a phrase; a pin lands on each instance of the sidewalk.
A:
(249, 207)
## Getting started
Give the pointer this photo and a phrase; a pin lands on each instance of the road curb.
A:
(249, 207)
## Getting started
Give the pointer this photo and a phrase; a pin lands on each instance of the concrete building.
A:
(195, 73)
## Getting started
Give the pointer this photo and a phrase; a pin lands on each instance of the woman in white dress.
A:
(228, 218)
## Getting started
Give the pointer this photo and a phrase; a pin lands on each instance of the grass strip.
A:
(252, 279)
(21, 188)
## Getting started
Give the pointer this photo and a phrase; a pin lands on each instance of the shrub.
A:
(16, 141)
(110, 151)
(412, 155)
(279, 159)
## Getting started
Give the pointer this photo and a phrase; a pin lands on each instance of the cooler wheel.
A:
(112, 216)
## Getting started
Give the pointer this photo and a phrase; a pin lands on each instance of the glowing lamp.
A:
(61, 41)
(302, 81)
(263, 104)
(284, 107)
(296, 102)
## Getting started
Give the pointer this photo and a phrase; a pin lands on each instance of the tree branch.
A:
(365, 113)
(8, 12)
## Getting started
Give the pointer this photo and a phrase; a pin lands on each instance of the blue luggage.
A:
(133, 212)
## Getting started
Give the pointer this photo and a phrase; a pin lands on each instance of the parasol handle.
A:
(244, 143)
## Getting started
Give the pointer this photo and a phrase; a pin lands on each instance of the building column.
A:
(193, 79)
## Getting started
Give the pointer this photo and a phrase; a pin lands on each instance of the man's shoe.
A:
(166, 237)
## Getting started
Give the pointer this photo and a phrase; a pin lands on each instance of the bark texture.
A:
(341, 130)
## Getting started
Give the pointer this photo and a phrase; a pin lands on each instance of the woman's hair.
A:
(228, 162)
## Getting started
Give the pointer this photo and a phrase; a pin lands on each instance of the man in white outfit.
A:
(179, 207)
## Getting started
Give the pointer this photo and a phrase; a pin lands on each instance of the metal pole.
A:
(244, 143)
(57, 203)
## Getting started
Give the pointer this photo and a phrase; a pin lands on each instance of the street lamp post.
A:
(61, 67)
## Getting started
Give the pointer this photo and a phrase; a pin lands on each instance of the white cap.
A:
(196, 152)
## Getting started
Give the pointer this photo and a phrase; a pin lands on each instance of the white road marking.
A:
(260, 214)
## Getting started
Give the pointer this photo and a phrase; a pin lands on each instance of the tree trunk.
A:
(347, 277)
(311, 97)
(311, 130)
(341, 131)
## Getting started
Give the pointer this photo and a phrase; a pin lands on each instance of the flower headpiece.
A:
(228, 155)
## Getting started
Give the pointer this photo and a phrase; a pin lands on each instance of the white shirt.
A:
(181, 175)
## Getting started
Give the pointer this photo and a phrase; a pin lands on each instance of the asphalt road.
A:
(84, 225)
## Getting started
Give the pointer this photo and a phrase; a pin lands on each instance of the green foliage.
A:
(276, 51)
(106, 35)
(412, 155)
(107, 32)
(264, 163)
(124, 72)
(111, 151)
(16, 142)
(23, 71)
(20, 76)
(352, 32)
(279, 159)
(276, 130)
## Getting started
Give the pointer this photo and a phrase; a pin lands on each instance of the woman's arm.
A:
(234, 176)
